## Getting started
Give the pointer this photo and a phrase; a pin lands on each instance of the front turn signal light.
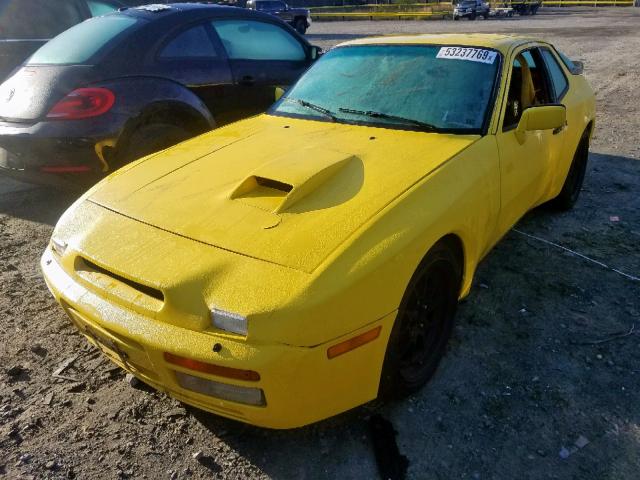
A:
(211, 369)
(353, 343)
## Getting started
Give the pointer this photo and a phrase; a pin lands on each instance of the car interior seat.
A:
(527, 91)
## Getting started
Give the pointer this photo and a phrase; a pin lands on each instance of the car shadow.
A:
(338, 447)
(35, 203)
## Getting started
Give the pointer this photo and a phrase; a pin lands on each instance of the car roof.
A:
(502, 43)
(186, 11)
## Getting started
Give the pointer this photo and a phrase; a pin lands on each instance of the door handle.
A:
(247, 80)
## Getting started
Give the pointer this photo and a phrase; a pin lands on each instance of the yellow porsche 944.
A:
(292, 266)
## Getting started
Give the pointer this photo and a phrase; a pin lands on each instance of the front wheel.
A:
(424, 324)
(456, 18)
(485, 15)
(570, 192)
(472, 16)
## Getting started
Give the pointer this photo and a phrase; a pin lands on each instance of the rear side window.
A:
(36, 19)
(251, 40)
(555, 72)
(194, 42)
(80, 43)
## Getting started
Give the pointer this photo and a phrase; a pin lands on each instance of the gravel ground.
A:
(541, 380)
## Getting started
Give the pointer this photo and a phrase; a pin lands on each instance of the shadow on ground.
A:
(39, 204)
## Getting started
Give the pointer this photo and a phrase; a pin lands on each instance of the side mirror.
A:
(315, 52)
(578, 67)
(279, 92)
(543, 117)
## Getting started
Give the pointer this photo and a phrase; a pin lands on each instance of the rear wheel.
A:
(151, 138)
(300, 25)
(423, 325)
(485, 15)
(472, 16)
(570, 192)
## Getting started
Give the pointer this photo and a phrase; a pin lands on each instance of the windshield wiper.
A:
(325, 111)
(387, 116)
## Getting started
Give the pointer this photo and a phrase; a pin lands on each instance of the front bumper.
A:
(300, 384)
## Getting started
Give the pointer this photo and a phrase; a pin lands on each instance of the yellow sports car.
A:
(294, 265)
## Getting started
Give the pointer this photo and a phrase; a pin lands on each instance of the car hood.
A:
(277, 189)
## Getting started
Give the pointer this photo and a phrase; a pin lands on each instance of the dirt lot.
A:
(533, 366)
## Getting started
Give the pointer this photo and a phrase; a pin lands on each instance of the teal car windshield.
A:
(422, 87)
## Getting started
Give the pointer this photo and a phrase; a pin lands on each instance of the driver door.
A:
(524, 166)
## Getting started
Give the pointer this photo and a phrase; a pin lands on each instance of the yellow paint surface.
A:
(309, 229)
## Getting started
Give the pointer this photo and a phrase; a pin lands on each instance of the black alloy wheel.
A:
(570, 192)
(423, 325)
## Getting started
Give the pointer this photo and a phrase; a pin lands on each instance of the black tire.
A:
(456, 18)
(300, 24)
(485, 15)
(570, 192)
(472, 16)
(424, 324)
(151, 138)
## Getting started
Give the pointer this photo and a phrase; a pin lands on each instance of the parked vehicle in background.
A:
(298, 18)
(26, 25)
(120, 86)
(526, 7)
(501, 12)
(471, 9)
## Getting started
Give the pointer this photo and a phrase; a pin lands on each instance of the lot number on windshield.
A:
(467, 53)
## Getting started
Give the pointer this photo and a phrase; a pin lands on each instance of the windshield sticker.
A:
(468, 53)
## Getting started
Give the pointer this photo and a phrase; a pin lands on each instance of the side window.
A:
(528, 86)
(558, 79)
(192, 43)
(251, 40)
(98, 8)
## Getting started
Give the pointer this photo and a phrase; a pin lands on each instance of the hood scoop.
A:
(277, 185)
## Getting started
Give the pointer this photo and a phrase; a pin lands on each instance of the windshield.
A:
(406, 86)
(80, 43)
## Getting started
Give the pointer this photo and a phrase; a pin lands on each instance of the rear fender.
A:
(137, 96)
(144, 100)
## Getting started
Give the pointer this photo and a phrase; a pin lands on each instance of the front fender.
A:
(365, 279)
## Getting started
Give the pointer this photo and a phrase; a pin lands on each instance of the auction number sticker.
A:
(468, 53)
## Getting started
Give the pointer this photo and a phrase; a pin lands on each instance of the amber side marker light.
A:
(353, 343)
(228, 372)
